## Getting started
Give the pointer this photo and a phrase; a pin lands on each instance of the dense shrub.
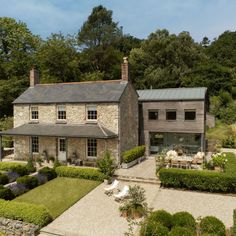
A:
(212, 225)
(133, 154)
(228, 142)
(150, 228)
(20, 170)
(184, 219)
(29, 182)
(6, 193)
(48, 172)
(3, 179)
(234, 226)
(198, 180)
(9, 165)
(181, 231)
(56, 163)
(162, 217)
(106, 164)
(30, 213)
(82, 173)
(12, 176)
(30, 166)
(17, 189)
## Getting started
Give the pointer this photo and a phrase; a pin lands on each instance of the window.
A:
(91, 113)
(153, 114)
(34, 113)
(156, 139)
(35, 144)
(62, 144)
(91, 147)
(61, 112)
(171, 114)
(189, 114)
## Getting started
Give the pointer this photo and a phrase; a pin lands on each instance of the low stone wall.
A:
(17, 228)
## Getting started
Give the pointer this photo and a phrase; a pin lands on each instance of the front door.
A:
(61, 149)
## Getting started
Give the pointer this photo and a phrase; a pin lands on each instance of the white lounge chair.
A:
(109, 190)
(122, 194)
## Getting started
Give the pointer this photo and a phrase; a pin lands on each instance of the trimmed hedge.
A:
(212, 225)
(81, 173)
(48, 172)
(133, 154)
(198, 180)
(6, 193)
(163, 217)
(9, 165)
(20, 170)
(31, 213)
(181, 231)
(3, 179)
(29, 182)
(184, 219)
(234, 227)
(150, 228)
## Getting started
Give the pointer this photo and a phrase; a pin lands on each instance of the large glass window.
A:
(171, 114)
(92, 147)
(91, 113)
(61, 112)
(153, 114)
(190, 115)
(34, 113)
(34, 144)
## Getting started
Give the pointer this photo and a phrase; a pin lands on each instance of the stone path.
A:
(97, 214)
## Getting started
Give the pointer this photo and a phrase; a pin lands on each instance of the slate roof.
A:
(61, 130)
(78, 92)
(172, 94)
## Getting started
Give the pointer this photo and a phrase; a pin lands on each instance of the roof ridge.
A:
(81, 82)
(102, 128)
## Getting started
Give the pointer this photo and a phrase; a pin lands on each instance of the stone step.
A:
(138, 179)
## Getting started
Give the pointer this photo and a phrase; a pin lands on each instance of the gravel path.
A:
(97, 214)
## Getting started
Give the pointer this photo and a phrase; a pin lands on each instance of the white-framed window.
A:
(61, 112)
(92, 147)
(92, 112)
(35, 144)
(34, 113)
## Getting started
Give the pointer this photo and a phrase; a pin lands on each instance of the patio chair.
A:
(174, 163)
(122, 194)
(184, 164)
(109, 190)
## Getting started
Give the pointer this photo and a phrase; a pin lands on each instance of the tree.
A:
(58, 59)
(164, 59)
(97, 39)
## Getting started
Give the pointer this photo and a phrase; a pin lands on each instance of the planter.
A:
(124, 214)
(132, 163)
(107, 181)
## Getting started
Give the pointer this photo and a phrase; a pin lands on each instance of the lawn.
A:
(59, 194)
(230, 167)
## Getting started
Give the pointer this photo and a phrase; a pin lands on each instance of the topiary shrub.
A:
(212, 225)
(133, 154)
(4, 179)
(81, 173)
(35, 214)
(184, 219)
(48, 172)
(6, 193)
(30, 166)
(181, 231)
(20, 170)
(151, 228)
(29, 182)
(162, 217)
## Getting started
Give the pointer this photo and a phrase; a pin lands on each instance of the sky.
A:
(137, 17)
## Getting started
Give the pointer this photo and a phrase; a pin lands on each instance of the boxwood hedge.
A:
(31, 213)
(81, 173)
(198, 180)
(133, 154)
(10, 165)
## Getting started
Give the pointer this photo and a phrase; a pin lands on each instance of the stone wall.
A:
(17, 228)
(128, 119)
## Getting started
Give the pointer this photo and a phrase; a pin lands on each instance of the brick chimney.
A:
(34, 77)
(125, 69)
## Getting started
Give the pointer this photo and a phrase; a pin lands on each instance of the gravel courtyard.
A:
(98, 214)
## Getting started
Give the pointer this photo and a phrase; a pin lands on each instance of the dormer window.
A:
(91, 113)
(61, 112)
(34, 113)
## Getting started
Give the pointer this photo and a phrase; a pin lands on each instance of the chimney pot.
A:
(125, 69)
(34, 77)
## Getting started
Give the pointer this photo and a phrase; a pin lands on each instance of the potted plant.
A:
(134, 206)
(106, 166)
(219, 161)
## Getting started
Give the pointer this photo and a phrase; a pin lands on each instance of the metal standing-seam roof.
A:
(81, 92)
(61, 130)
(172, 94)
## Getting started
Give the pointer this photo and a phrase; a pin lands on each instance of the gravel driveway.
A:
(97, 214)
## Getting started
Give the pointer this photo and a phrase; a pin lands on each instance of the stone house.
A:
(173, 118)
(76, 120)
